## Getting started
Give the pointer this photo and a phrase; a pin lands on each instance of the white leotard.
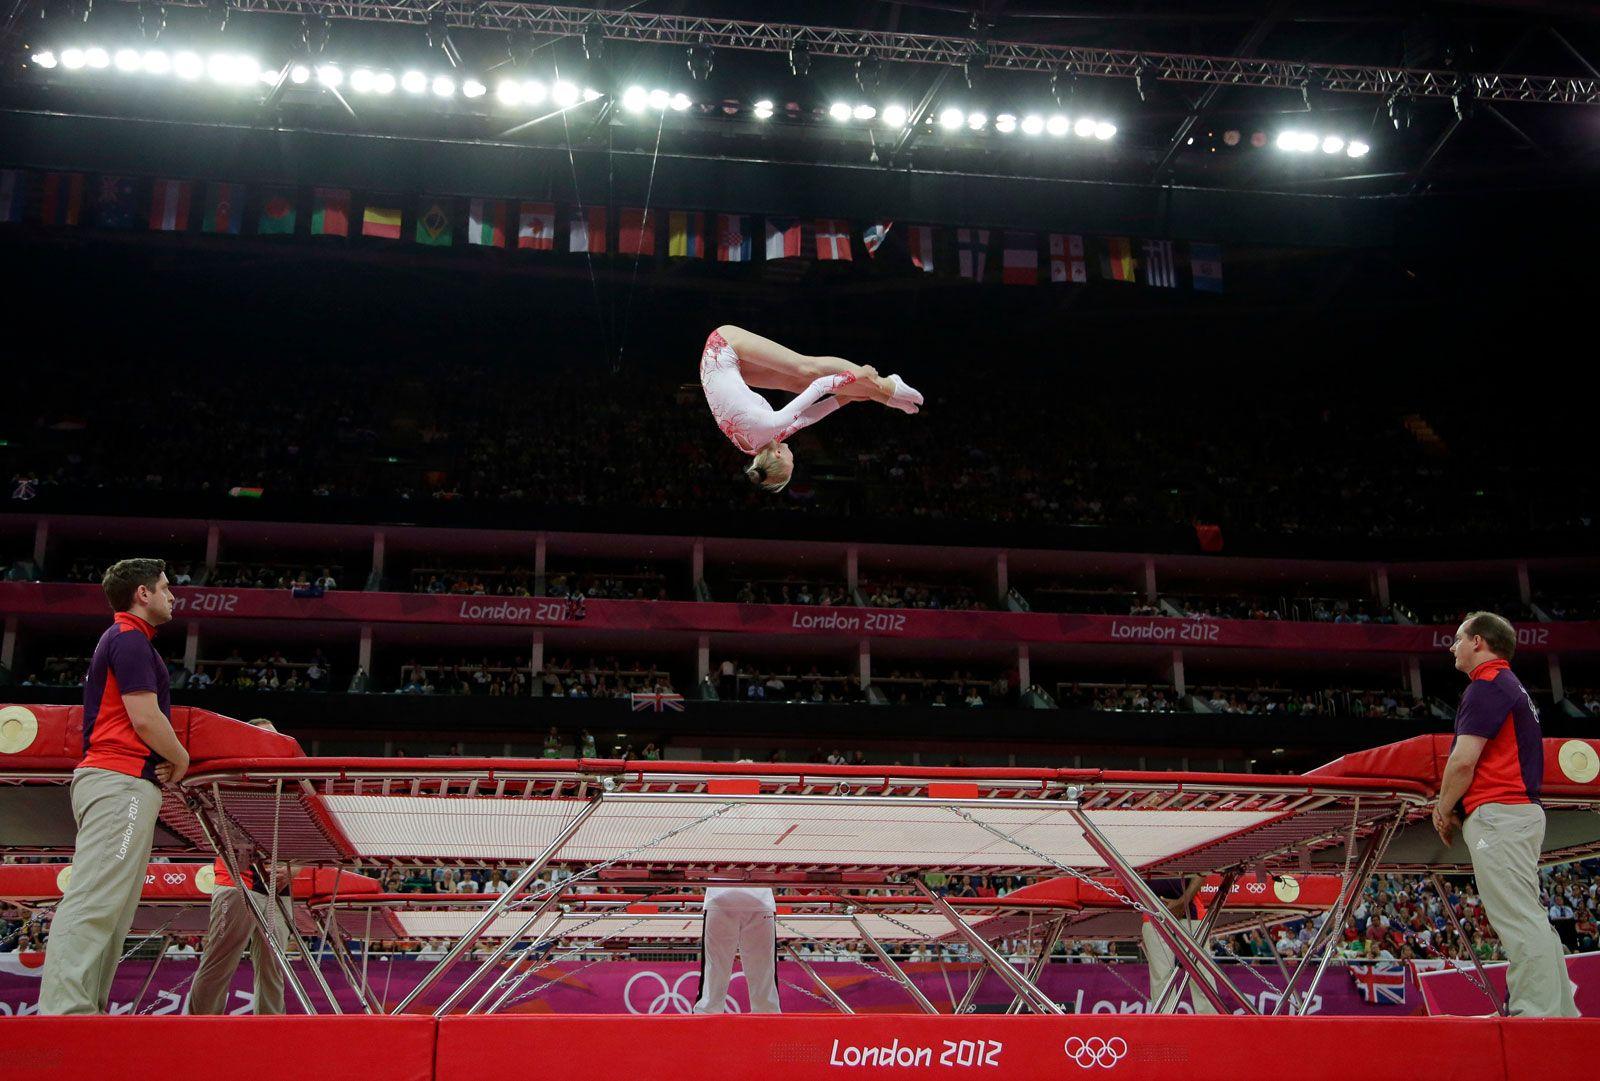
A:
(747, 418)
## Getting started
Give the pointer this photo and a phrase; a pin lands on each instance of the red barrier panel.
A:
(1540, 1049)
(804, 1047)
(238, 1048)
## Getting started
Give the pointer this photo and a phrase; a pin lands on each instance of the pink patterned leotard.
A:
(747, 418)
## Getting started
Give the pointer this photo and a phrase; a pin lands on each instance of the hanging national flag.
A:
(224, 208)
(921, 241)
(536, 227)
(1382, 983)
(382, 222)
(11, 191)
(656, 700)
(116, 202)
(833, 239)
(1117, 262)
(783, 239)
(169, 206)
(1019, 263)
(61, 199)
(1159, 268)
(636, 232)
(734, 240)
(486, 223)
(686, 230)
(1206, 262)
(587, 230)
(277, 214)
(972, 252)
(1066, 258)
(330, 212)
(873, 235)
(434, 226)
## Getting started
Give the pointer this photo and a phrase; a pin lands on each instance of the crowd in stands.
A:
(1308, 609)
(594, 678)
(959, 688)
(1325, 465)
(784, 682)
(274, 576)
(898, 593)
(792, 591)
(1114, 698)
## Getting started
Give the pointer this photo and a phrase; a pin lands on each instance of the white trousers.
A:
(739, 920)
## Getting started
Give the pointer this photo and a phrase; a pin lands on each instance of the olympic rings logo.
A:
(670, 997)
(1095, 1051)
(1256, 887)
(175, 878)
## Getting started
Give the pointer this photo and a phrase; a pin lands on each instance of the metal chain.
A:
(806, 991)
(901, 924)
(574, 950)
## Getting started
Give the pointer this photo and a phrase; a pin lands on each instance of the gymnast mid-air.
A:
(735, 361)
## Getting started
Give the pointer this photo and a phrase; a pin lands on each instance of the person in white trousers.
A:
(742, 920)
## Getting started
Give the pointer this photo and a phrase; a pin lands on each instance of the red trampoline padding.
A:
(1420, 759)
(54, 737)
(238, 1048)
(1539, 1048)
(810, 1047)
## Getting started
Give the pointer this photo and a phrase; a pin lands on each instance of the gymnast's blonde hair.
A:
(771, 468)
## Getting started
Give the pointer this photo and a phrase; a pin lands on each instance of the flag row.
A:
(220, 207)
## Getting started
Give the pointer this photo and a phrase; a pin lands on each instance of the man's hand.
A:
(1445, 822)
(172, 772)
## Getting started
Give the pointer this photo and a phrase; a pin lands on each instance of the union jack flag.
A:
(1382, 983)
(656, 700)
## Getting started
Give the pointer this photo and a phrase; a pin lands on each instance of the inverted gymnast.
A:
(735, 361)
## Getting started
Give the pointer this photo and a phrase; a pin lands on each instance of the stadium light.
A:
(1357, 149)
(534, 92)
(840, 111)
(361, 81)
(1057, 125)
(1332, 144)
(157, 62)
(1104, 130)
(1084, 128)
(680, 101)
(864, 112)
(565, 94)
(128, 60)
(443, 86)
(473, 89)
(763, 109)
(658, 100)
(1005, 123)
(187, 66)
(1288, 140)
(1033, 124)
(634, 99)
(895, 116)
(414, 82)
(952, 118)
(330, 76)
(97, 57)
(72, 59)
(46, 59)
(383, 83)
(298, 74)
(976, 121)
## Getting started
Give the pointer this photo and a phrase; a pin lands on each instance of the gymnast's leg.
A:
(767, 365)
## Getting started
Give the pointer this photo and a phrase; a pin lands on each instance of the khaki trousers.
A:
(1504, 841)
(233, 927)
(116, 816)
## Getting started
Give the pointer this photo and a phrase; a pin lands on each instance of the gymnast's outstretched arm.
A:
(808, 407)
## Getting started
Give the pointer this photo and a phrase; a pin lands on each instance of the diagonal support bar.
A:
(1183, 948)
(1020, 984)
(894, 970)
(501, 903)
(1461, 936)
(822, 984)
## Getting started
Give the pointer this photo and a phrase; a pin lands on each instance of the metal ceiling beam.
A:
(947, 49)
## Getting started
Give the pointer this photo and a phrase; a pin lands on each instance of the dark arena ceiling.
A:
(1314, 97)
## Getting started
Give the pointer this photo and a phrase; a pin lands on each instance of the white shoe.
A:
(905, 397)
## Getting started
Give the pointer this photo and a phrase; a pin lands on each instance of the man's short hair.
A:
(1497, 632)
(123, 579)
